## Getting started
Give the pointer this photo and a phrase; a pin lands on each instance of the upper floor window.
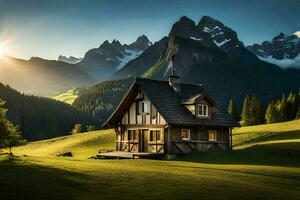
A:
(185, 134)
(202, 110)
(143, 107)
(212, 135)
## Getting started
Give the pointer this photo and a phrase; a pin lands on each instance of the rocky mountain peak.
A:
(141, 43)
(185, 27)
(279, 37)
(223, 36)
(283, 50)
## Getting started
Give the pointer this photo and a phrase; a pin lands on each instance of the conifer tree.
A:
(9, 134)
(291, 106)
(3, 122)
(232, 110)
(283, 109)
(255, 111)
(272, 115)
(245, 116)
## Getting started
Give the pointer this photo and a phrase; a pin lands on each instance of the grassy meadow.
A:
(265, 164)
(68, 97)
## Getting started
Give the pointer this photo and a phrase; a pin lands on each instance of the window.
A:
(212, 135)
(158, 135)
(155, 135)
(143, 107)
(132, 135)
(152, 136)
(202, 110)
(185, 134)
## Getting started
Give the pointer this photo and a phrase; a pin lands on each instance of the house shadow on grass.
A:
(275, 154)
(21, 180)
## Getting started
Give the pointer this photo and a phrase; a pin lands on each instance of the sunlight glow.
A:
(2, 51)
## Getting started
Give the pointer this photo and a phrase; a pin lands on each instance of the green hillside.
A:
(83, 145)
(267, 133)
(270, 167)
(67, 97)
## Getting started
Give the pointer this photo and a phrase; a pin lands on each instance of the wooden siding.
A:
(198, 140)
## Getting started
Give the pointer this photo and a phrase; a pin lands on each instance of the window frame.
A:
(202, 105)
(143, 105)
(133, 135)
(214, 138)
(155, 133)
(188, 134)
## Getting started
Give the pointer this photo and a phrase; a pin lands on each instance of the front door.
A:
(143, 140)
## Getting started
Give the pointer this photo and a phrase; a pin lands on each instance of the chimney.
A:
(174, 81)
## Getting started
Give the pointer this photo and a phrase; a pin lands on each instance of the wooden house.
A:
(169, 117)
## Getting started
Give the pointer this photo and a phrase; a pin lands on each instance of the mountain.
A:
(41, 77)
(283, 50)
(40, 117)
(101, 99)
(207, 52)
(226, 69)
(70, 60)
(100, 63)
(142, 63)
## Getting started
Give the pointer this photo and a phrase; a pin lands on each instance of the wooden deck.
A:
(128, 155)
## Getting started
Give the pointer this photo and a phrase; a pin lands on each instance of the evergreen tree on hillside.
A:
(255, 111)
(272, 114)
(298, 105)
(77, 129)
(232, 110)
(9, 134)
(245, 116)
(298, 113)
(283, 109)
(291, 106)
(4, 129)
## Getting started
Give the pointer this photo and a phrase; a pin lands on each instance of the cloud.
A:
(297, 33)
(284, 63)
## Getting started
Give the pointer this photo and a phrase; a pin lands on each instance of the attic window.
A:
(143, 107)
(202, 110)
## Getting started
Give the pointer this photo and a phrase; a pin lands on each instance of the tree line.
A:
(253, 113)
(41, 118)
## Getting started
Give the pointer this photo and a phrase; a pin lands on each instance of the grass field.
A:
(83, 145)
(260, 167)
(68, 97)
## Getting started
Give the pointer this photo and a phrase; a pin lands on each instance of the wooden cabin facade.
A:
(169, 118)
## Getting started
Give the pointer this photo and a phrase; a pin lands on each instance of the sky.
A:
(51, 28)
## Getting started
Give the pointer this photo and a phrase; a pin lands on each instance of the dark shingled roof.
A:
(169, 104)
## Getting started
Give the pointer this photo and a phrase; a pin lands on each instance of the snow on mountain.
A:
(219, 44)
(297, 33)
(131, 54)
(70, 60)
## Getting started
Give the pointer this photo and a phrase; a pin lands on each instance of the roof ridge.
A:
(166, 81)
